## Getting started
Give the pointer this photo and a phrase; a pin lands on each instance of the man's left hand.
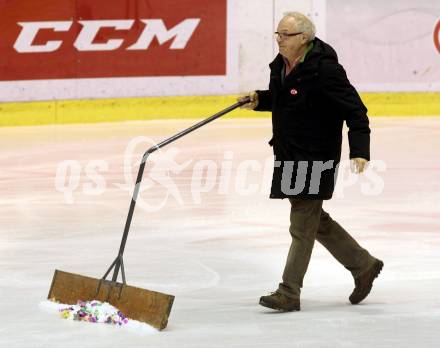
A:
(358, 165)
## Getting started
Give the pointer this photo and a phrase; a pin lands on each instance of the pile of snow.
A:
(95, 312)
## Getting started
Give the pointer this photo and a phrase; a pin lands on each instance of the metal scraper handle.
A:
(118, 263)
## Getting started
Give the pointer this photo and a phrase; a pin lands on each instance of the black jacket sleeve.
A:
(264, 101)
(344, 98)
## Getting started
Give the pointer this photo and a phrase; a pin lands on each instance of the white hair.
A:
(303, 24)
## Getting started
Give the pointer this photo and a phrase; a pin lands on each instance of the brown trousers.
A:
(308, 221)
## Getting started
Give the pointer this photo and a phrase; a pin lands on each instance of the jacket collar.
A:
(320, 50)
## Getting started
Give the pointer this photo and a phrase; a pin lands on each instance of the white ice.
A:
(220, 255)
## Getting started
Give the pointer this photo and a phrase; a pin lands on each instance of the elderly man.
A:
(310, 97)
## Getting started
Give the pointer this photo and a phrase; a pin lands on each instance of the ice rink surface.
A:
(216, 245)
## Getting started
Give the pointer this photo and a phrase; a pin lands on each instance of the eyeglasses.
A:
(284, 36)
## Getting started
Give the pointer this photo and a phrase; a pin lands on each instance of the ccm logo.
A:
(154, 28)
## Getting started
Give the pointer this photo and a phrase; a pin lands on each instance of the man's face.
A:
(289, 46)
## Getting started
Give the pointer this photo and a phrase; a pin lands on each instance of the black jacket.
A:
(308, 110)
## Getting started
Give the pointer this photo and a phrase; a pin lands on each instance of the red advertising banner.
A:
(63, 39)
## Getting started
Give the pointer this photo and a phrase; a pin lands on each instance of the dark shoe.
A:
(280, 302)
(364, 283)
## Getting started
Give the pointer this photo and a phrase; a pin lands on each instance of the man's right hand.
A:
(252, 104)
